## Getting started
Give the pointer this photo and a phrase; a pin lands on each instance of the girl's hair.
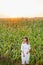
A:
(26, 39)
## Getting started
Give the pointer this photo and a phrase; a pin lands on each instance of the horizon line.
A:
(24, 17)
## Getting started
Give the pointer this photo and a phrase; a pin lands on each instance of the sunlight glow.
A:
(21, 8)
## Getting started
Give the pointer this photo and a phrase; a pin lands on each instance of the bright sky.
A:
(21, 8)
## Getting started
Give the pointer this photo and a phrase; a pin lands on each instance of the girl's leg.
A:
(27, 64)
(24, 63)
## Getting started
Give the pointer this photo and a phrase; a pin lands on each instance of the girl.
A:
(25, 51)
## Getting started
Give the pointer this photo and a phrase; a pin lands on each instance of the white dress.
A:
(25, 47)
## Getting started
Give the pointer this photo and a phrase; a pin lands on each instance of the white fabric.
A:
(25, 47)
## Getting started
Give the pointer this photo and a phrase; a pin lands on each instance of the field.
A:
(11, 35)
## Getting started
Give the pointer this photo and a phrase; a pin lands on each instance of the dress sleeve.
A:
(29, 47)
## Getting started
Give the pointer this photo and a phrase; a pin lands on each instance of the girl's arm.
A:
(22, 51)
(29, 49)
(22, 48)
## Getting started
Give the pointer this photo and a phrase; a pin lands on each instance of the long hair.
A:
(26, 39)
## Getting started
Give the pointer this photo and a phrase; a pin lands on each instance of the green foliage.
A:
(11, 38)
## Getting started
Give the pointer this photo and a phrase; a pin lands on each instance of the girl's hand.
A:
(27, 52)
(23, 55)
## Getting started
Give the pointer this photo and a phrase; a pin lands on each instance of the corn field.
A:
(11, 35)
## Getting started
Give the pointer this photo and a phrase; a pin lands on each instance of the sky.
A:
(21, 8)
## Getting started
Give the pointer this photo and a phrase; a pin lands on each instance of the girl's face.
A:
(24, 40)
